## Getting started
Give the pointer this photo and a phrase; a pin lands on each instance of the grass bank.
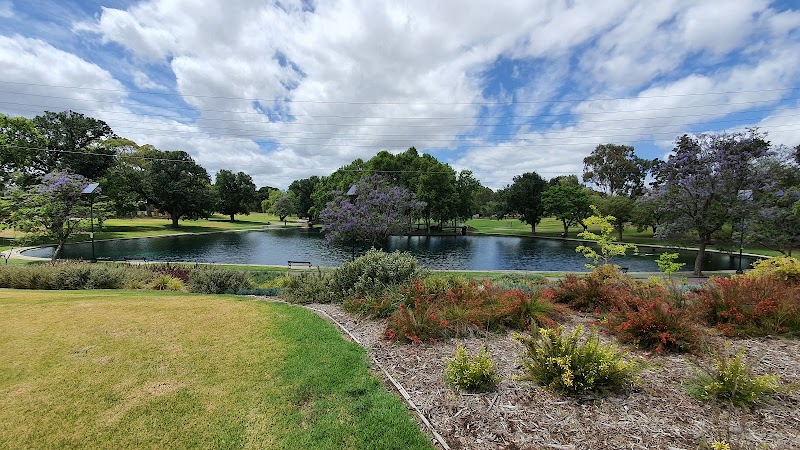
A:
(124, 369)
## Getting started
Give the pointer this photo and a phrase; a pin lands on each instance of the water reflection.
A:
(435, 252)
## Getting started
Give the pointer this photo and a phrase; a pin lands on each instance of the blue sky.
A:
(288, 89)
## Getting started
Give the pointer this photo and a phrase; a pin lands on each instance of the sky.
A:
(284, 90)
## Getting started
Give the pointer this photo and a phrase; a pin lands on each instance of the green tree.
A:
(177, 184)
(75, 143)
(23, 155)
(605, 240)
(466, 187)
(524, 197)
(52, 210)
(283, 206)
(235, 192)
(123, 183)
(340, 180)
(616, 169)
(568, 202)
(617, 206)
(303, 191)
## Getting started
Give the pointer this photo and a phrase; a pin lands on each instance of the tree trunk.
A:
(56, 252)
(175, 223)
(533, 228)
(232, 219)
(620, 234)
(566, 227)
(698, 262)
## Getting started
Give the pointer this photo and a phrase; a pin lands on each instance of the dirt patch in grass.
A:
(657, 413)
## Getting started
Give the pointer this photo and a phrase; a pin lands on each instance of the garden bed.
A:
(657, 413)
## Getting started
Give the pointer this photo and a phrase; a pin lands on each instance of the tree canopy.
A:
(178, 185)
(235, 193)
(524, 197)
(616, 169)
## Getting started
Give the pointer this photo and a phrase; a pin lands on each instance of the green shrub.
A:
(213, 280)
(308, 287)
(783, 267)
(567, 363)
(68, 275)
(372, 274)
(167, 283)
(260, 291)
(468, 373)
(731, 380)
(269, 278)
(374, 306)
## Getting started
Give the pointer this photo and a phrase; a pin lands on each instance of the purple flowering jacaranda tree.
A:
(377, 211)
(52, 210)
(700, 185)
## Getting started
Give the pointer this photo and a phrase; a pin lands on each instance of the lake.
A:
(276, 247)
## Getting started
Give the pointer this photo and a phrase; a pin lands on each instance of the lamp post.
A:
(91, 190)
(744, 195)
(352, 193)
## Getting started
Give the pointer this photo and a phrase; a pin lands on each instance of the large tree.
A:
(616, 169)
(524, 197)
(54, 209)
(378, 210)
(23, 152)
(177, 184)
(235, 193)
(303, 191)
(75, 143)
(619, 207)
(702, 184)
(568, 202)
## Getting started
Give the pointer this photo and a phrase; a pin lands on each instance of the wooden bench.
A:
(624, 269)
(299, 263)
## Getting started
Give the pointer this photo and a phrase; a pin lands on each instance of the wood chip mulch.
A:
(656, 414)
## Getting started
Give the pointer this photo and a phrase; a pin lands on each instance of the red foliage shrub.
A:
(175, 271)
(646, 316)
(440, 311)
(746, 306)
(593, 292)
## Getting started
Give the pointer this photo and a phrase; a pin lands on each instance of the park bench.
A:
(299, 263)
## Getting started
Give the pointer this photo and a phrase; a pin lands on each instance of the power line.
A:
(318, 116)
(487, 103)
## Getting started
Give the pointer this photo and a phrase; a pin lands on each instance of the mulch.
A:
(656, 414)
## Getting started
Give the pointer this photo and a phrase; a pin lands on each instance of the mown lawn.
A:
(124, 369)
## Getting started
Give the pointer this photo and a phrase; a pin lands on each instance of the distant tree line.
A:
(717, 188)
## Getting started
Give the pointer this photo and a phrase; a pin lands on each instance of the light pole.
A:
(352, 193)
(91, 190)
(744, 195)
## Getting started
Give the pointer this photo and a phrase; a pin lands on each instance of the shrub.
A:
(783, 267)
(567, 363)
(468, 373)
(372, 274)
(270, 278)
(260, 291)
(748, 306)
(594, 292)
(182, 273)
(731, 380)
(167, 283)
(65, 275)
(373, 306)
(213, 280)
(308, 287)
(523, 282)
(440, 308)
(648, 318)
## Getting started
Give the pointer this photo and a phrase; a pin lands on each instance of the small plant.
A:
(594, 292)
(469, 373)
(731, 380)
(167, 283)
(568, 363)
(605, 240)
(666, 263)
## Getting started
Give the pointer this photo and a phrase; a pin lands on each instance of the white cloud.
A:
(359, 76)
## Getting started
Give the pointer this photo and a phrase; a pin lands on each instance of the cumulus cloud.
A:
(285, 90)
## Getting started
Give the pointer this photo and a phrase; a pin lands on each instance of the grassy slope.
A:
(120, 369)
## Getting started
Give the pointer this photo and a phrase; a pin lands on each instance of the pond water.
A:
(276, 247)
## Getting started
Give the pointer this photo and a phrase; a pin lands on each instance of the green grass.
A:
(550, 227)
(122, 369)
